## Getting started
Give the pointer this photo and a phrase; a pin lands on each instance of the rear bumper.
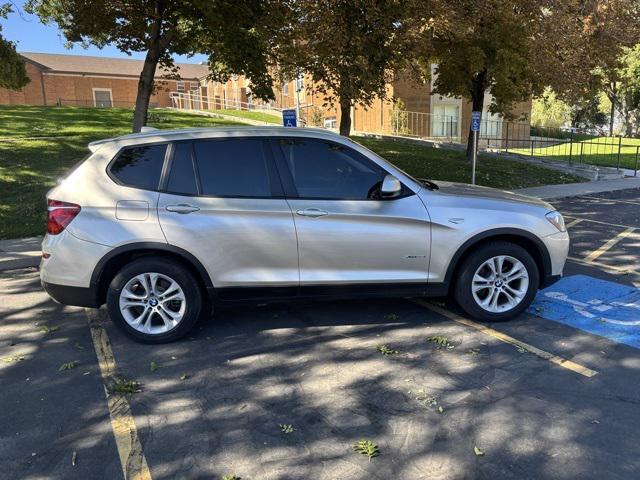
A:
(76, 296)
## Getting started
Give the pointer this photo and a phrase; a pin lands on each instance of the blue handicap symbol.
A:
(600, 307)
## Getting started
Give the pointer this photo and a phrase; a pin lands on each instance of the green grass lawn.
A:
(444, 164)
(601, 151)
(252, 115)
(29, 166)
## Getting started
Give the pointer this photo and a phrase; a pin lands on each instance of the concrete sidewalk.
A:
(19, 253)
(575, 189)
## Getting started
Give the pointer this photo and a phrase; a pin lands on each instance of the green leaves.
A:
(46, 329)
(366, 448)
(441, 342)
(386, 351)
(153, 366)
(124, 387)
(68, 366)
(285, 428)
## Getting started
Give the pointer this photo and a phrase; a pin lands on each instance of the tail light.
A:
(60, 215)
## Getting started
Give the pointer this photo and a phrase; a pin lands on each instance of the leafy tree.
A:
(234, 33)
(620, 81)
(13, 74)
(349, 48)
(515, 48)
(549, 111)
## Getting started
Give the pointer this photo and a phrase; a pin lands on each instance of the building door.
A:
(102, 98)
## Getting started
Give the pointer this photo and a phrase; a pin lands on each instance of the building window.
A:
(444, 121)
(194, 86)
(285, 89)
(102, 97)
(180, 86)
(330, 122)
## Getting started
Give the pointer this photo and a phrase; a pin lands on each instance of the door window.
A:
(233, 168)
(140, 166)
(330, 171)
(445, 121)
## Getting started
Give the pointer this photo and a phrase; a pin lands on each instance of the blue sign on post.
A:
(475, 121)
(289, 118)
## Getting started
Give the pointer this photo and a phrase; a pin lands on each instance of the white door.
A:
(102, 98)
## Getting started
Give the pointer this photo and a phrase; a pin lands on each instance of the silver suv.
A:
(158, 224)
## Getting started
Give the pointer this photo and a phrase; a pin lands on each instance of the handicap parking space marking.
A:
(600, 307)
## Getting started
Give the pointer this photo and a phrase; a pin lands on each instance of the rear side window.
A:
(140, 166)
(233, 168)
(182, 178)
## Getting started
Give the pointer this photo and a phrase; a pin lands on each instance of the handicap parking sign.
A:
(289, 118)
(475, 121)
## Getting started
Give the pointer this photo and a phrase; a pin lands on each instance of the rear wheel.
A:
(497, 282)
(154, 300)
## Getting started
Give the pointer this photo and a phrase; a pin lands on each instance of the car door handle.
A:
(182, 208)
(312, 212)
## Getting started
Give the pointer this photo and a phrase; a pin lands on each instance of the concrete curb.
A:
(20, 253)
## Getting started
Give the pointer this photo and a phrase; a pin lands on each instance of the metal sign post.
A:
(289, 118)
(475, 128)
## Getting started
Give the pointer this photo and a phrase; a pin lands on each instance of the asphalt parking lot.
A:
(553, 394)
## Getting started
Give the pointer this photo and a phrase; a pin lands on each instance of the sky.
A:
(32, 36)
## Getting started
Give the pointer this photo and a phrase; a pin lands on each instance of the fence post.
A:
(619, 152)
(570, 146)
(635, 168)
(581, 150)
(506, 146)
(533, 140)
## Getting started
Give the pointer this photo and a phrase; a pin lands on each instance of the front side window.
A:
(140, 166)
(331, 171)
(233, 168)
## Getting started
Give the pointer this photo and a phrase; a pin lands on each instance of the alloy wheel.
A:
(500, 284)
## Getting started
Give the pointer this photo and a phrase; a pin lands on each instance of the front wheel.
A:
(154, 300)
(497, 282)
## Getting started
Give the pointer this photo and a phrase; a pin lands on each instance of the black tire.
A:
(165, 266)
(463, 283)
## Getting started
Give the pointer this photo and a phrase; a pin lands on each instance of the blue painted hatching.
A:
(600, 307)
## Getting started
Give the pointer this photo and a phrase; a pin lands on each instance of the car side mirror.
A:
(391, 187)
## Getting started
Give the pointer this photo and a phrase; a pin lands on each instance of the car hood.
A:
(478, 192)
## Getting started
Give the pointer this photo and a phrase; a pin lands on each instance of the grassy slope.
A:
(252, 115)
(443, 164)
(29, 167)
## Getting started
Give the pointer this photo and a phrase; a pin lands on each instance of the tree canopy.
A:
(350, 48)
(13, 74)
(234, 33)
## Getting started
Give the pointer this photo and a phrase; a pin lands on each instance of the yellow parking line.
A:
(608, 244)
(604, 266)
(611, 200)
(132, 459)
(573, 223)
(562, 362)
(599, 222)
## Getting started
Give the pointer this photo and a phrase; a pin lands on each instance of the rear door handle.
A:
(312, 212)
(182, 208)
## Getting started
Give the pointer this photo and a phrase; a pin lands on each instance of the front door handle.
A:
(182, 208)
(312, 212)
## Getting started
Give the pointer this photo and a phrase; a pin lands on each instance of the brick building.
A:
(94, 81)
(423, 114)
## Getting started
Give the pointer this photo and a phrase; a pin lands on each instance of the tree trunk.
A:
(145, 88)
(345, 117)
(479, 86)
(612, 112)
(157, 45)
